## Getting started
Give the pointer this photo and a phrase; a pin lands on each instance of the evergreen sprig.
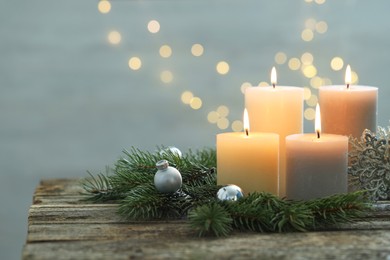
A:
(130, 183)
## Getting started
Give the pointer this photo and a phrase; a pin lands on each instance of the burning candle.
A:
(316, 164)
(249, 160)
(276, 109)
(348, 109)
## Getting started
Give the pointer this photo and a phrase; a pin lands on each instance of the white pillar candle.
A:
(276, 109)
(348, 109)
(248, 160)
(316, 165)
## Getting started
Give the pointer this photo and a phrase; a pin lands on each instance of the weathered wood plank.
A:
(319, 245)
(62, 225)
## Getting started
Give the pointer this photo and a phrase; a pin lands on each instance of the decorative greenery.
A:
(130, 183)
(370, 163)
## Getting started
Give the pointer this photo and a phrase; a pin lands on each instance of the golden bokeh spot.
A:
(280, 57)
(354, 77)
(306, 93)
(320, 2)
(244, 86)
(310, 23)
(263, 84)
(223, 123)
(309, 71)
(337, 63)
(321, 27)
(197, 50)
(308, 1)
(135, 63)
(104, 6)
(165, 51)
(223, 111)
(307, 35)
(212, 117)
(186, 97)
(114, 37)
(153, 26)
(312, 101)
(316, 82)
(307, 58)
(196, 103)
(166, 76)
(310, 113)
(294, 64)
(222, 67)
(237, 126)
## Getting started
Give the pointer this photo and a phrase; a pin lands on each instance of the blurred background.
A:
(82, 80)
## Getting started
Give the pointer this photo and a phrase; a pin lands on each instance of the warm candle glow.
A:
(317, 124)
(246, 122)
(273, 77)
(348, 78)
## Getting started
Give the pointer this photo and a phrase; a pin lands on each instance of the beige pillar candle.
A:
(276, 109)
(249, 160)
(348, 109)
(316, 164)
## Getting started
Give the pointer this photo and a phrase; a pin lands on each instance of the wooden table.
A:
(63, 226)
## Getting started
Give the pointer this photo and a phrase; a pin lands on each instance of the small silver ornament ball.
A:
(173, 150)
(230, 192)
(167, 178)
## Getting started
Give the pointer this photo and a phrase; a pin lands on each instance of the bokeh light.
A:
(310, 113)
(237, 126)
(307, 58)
(337, 63)
(316, 82)
(354, 77)
(244, 86)
(196, 103)
(223, 123)
(280, 58)
(309, 71)
(294, 64)
(263, 84)
(186, 97)
(114, 37)
(321, 27)
(104, 6)
(310, 23)
(307, 35)
(320, 2)
(222, 67)
(153, 26)
(306, 93)
(166, 76)
(165, 51)
(197, 50)
(312, 101)
(135, 63)
(223, 111)
(213, 117)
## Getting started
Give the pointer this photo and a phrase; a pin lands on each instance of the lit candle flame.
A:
(273, 77)
(348, 78)
(317, 124)
(246, 122)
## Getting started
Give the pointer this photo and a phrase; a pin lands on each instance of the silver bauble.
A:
(171, 149)
(167, 178)
(230, 192)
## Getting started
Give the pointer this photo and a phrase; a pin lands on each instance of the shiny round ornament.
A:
(230, 192)
(171, 149)
(167, 179)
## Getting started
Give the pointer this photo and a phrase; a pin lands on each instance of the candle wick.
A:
(273, 85)
(318, 134)
(347, 85)
(246, 132)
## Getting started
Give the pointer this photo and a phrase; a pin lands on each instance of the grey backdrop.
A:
(69, 103)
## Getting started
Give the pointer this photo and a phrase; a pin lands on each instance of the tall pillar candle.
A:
(249, 160)
(316, 165)
(348, 109)
(276, 109)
